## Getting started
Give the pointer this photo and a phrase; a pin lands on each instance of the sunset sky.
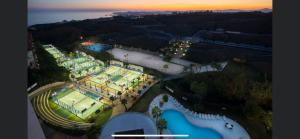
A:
(151, 4)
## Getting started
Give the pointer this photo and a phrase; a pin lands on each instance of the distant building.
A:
(32, 61)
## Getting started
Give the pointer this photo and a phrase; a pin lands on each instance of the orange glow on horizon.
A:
(159, 5)
(181, 7)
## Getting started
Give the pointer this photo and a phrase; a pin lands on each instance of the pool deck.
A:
(215, 122)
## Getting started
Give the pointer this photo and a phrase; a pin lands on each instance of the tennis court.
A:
(118, 79)
(79, 104)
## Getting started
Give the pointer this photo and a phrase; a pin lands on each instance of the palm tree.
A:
(161, 125)
(87, 71)
(144, 77)
(156, 113)
(106, 82)
(124, 102)
(138, 78)
(112, 99)
(119, 94)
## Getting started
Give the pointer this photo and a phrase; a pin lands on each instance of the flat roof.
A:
(128, 121)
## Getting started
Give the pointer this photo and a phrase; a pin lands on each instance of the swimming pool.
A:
(98, 47)
(178, 124)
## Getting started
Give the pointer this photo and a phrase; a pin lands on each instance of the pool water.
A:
(178, 124)
(98, 47)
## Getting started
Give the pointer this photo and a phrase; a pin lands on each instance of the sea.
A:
(50, 16)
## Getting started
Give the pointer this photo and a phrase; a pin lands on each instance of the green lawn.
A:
(103, 117)
(143, 103)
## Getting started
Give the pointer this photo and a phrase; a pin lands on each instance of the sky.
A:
(164, 5)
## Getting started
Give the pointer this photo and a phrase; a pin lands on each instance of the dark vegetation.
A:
(253, 39)
(245, 93)
(205, 54)
(143, 103)
(154, 31)
(49, 71)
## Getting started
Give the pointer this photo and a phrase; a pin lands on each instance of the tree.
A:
(156, 113)
(138, 79)
(200, 89)
(165, 98)
(267, 120)
(252, 110)
(161, 125)
(112, 99)
(71, 54)
(124, 102)
(238, 87)
(119, 94)
(262, 93)
(143, 77)
(126, 91)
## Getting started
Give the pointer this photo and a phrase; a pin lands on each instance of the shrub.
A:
(165, 98)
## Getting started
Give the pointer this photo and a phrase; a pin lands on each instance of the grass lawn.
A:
(143, 103)
(103, 117)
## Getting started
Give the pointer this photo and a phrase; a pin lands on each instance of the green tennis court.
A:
(78, 103)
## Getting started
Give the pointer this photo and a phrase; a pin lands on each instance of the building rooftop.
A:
(128, 123)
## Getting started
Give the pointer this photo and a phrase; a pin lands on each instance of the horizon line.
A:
(145, 10)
